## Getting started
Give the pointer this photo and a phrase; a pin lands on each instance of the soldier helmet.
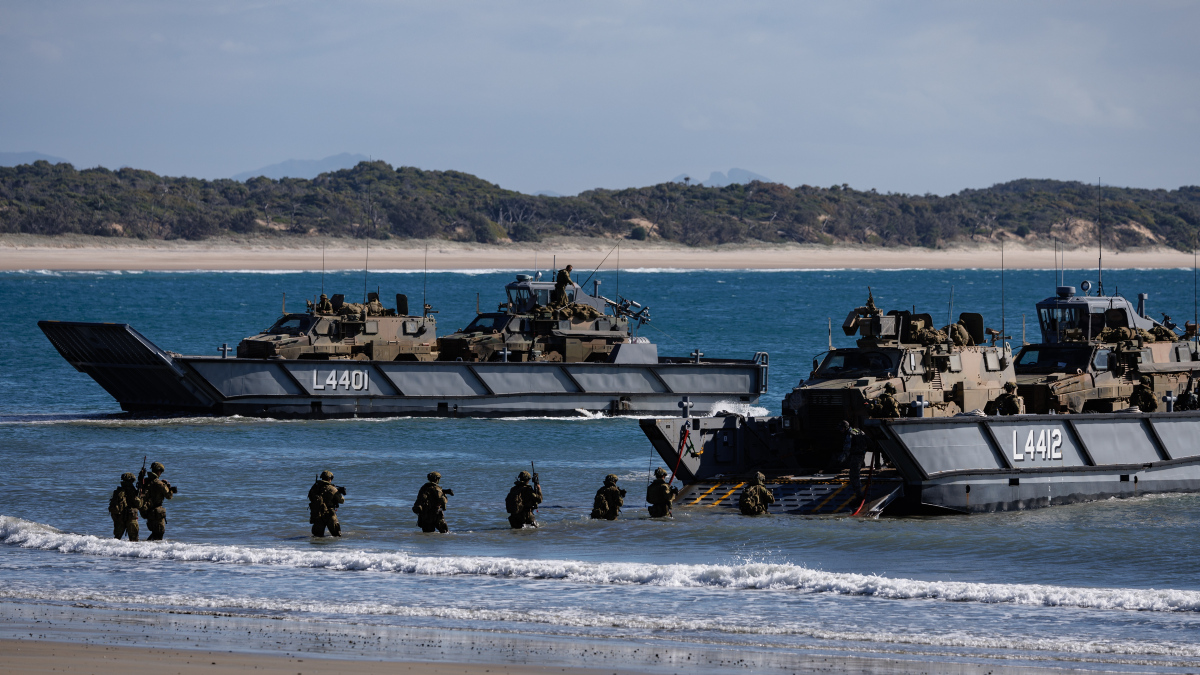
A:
(127, 477)
(889, 388)
(157, 467)
(758, 478)
(324, 297)
(524, 476)
(1146, 381)
(434, 476)
(326, 475)
(845, 425)
(660, 472)
(610, 479)
(1010, 387)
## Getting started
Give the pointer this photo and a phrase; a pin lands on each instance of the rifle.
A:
(340, 488)
(141, 479)
(536, 484)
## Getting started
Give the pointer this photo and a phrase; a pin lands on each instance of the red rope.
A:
(867, 490)
(687, 432)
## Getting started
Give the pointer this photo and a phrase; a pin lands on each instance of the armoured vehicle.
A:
(1095, 350)
(527, 328)
(961, 456)
(347, 362)
(363, 332)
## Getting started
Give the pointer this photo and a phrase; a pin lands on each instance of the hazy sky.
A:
(565, 96)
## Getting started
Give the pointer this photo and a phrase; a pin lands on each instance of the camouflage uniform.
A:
(430, 506)
(755, 497)
(323, 500)
(1163, 334)
(558, 297)
(1008, 403)
(324, 306)
(374, 307)
(609, 500)
(1143, 395)
(660, 494)
(886, 406)
(854, 450)
(522, 500)
(123, 506)
(959, 335)
(153, 494)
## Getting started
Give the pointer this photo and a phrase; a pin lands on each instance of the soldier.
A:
(323, 500)
(755, 497)
(854, 450)
(374, 307)
(959, 335)
(609, 500)
(522, 500)
(1143, 395)
(123, 506)
(558, 297)
(886, 406)
(1164, 334)
(154, 492)
(1187, 398)
(1008, 403)
(660, 494)
(324, 306)
(430, 506)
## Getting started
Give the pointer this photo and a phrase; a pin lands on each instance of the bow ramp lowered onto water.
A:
(633, 380)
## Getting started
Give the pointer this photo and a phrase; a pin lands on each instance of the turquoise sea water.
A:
(1112, 585)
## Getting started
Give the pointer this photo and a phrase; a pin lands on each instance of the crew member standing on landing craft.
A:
(561, 282)
(324, 306)
(522, 499)
(1143, 395)
(430, 506)
(755, 497)
(323, 500)
(660, 494)
(154, 492)
(1008, 403)
(609, 500)
(123, 506)
(886, 407)
(854, 451)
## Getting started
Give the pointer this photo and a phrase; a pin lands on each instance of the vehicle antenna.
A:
(1195, 282)
(830, 327)
(322, 268)
(1002, 288)
(535, 269)
(618, 291)
(425, 284)
(284, 308)
(950, 310)
(610, 252)
(366, 266)
(1100, 242)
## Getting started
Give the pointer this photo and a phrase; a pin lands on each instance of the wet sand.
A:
(26, 252)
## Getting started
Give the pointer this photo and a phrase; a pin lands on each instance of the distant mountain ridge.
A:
(19, 158)
(304, 168)
(734, 177)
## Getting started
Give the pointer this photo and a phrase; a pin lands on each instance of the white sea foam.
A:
(784, 577)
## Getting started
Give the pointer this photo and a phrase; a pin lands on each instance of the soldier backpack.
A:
(513, 502)
(118, 503)
(749, 500)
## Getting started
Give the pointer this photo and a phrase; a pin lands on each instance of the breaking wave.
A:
(766, 576)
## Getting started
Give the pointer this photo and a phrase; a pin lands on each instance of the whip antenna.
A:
(425, 284)
(1002, 329)
(366, 266)
(1100, 242)
(322, 268)
(610, 252)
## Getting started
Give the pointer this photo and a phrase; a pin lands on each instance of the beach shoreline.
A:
(80, 253)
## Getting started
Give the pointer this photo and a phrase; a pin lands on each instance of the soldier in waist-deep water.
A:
(324, 306)
(323, 500)
(430, 506)
(1009, 403)
(660, 494)
(886, 406)
(755, 497)
(523, 500)
(609, 500)
(153, 494)
(558, 297)
(123, 506)
(1143, 395)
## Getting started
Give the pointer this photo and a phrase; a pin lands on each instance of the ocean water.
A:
(1107, 586)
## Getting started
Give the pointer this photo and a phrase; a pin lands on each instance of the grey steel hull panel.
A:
(144, 378)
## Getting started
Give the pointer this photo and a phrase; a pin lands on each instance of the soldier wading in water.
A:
(522, 500)
(755, 497)
(123, 506)
(154, 492)
(609, 500)
(323, 500)
(430, 506)
(660, 494)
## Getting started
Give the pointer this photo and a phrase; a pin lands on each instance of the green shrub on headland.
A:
(377, 201)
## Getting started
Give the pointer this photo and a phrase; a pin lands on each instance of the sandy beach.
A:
(26, 252)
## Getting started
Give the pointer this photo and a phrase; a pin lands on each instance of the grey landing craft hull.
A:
(951, 464)
(144, 378)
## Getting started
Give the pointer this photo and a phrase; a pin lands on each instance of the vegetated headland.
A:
(374, 200)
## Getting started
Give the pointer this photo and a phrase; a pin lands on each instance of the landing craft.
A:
(364, 360)
(1075, 437)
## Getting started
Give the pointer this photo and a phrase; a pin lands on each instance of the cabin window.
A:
(486, 323)
(840, 363)
(1100, 361)
(1056, 320)
(991, 360)
(372, 328)
(409, 327)
(291, 325)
